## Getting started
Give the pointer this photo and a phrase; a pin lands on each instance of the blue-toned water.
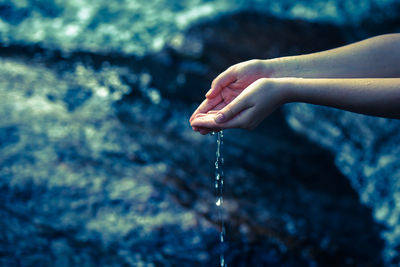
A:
(141, 26)
(367, 156)
(94, 153)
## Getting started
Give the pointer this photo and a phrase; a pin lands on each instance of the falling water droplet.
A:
(219, 202)
(219, 181)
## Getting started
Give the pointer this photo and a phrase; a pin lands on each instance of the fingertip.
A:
(210, 94)
(195, 124)
(216, 87)
(192, 116)
(220, 118)
(203, 132)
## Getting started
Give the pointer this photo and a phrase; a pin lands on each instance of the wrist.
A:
(284, 67)
(287, 89)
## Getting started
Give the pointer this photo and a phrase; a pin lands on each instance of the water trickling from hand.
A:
(219, 183)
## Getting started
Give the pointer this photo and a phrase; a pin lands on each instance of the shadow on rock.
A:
(133, 181)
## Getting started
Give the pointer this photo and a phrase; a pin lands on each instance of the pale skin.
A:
(363, 77)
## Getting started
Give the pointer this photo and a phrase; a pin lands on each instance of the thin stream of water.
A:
(219, 184)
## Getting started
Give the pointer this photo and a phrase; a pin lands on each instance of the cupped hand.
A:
(239, 76)
(230, 84)
(213, 105)
(243, 108)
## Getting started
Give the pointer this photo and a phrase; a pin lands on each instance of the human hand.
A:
(244, 108)
(239, 76)
(230, 84)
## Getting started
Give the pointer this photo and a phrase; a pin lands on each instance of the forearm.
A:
(378, 97)
(377, 57)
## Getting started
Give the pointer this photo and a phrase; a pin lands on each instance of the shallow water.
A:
(141, 26)
(85, 168)
(367, 156)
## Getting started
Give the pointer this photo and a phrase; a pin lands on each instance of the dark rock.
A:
(8, 135)
(208, 48)
(121, 179)
(13, 15)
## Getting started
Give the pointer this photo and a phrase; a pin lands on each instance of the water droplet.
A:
(219, 181)
(219, 202)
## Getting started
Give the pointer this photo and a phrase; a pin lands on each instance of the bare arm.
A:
(369, 83)
(377, 57)
(372, 96)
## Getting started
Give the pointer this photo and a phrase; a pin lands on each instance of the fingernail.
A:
(220, 118)
(208, 93)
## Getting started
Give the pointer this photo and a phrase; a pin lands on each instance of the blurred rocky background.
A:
(99, 167)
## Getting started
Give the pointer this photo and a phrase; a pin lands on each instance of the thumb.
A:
(219, 83)
(232, 109)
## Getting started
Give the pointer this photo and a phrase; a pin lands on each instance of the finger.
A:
(197, 110)
(231, 110)
(224, 79)
(199, 115)
(207, 131)
(205, 121)
(206, 105)
(215, 110)
(198, 129)
(241, 120)
(204, 131)
(219, 106)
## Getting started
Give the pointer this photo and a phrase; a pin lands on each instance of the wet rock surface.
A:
(100, 167)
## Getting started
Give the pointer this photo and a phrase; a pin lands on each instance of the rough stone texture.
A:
(99, 166)
(369, 157)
